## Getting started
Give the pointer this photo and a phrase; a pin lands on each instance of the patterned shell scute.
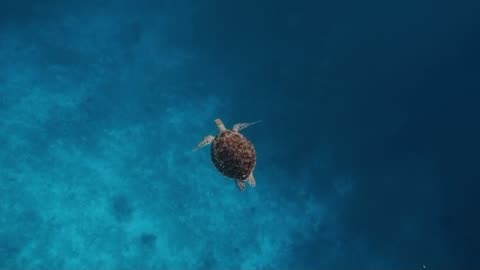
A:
(233, 155)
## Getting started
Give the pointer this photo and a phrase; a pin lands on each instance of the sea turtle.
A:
(232, 154)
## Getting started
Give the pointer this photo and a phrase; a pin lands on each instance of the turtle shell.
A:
(233, 155)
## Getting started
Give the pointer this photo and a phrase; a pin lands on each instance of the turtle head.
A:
(220, 125)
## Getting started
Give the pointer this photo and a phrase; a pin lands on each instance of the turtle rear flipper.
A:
(251, 180)
(240, 184)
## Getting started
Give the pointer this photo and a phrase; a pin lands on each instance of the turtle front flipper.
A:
(240, 184)
(206, 141)
(240, 126)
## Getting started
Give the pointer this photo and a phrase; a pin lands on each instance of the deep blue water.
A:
(367, 153)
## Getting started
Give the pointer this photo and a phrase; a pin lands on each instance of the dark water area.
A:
(367, 153)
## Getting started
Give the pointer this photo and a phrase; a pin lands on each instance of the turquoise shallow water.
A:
(365, 153)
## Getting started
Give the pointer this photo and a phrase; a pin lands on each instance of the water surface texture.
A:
(367, 153)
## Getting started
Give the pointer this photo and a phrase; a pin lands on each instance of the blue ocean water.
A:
(367, 153)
